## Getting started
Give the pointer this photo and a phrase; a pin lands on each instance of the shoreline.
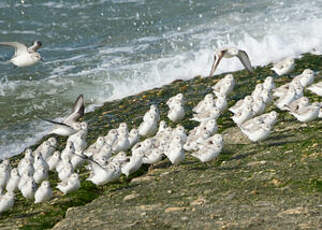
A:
(26, 215)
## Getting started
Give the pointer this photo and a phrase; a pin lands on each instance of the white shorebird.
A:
(153, 110)
(286, 99)
(53, 160)
(95, 147)
(257, 91)
(242, 116)
(70, 185)
(316, 88)
(284, 66)
(39, 162)
(202, 104)
(225, 89)
(47, 147)
(105, 151)
(111, 137)
(7, 201)
(40, 175)
(4, 174)
(179, 98)
(13, 181)
(269, 83)
(101, 176)
(241, 104)
(123, 143)
(267, 118)
(257, 132)
(134, 163)
(212, 113)
(152, 157)
(298, 104)
(24, 56)
(26, 168)
(134, 136)
(175, 153)
(149, 126)
(309, 113)
(43, 193)
(258, 106)
(79, 138)
(28, 157)
(70, 125)
(221, 103)
(176, 112)
(66, 171)
(28, 188)
(209, 149)
(229, 53)
(305, 78)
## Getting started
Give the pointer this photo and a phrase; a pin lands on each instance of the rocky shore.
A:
(275, 184)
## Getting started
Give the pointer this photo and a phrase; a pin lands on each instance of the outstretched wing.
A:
(78, 110)
(55, 122)
(19, 47)
(217, 58)
(244, 59)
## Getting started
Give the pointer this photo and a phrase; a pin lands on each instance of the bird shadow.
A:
(242, 156)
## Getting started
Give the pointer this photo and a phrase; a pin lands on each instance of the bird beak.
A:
(42, 59)
(217, 59)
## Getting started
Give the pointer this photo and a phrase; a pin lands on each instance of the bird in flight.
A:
(24, 56)
(229, 53)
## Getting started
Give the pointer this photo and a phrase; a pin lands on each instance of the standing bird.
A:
(284, 66)
(43, 193)
(24, 56)
(229, 53)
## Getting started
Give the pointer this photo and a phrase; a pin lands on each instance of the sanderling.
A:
(229, 53)
(24, 56)
(284, 66)
(40, 175)
(53, 160)
(134, 136)
(7, 201)
(134, 163)
(175, 153)
(308, 113)
(209, 149)
(43, 193)
(13, 181)
(305, 78)
(70, 125)
(257, 132)
(70, 185)
(101, 176)
(149, 126)
(176, 112)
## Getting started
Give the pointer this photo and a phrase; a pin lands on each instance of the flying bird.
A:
(70, 125)
(229, 53)
(24, 56)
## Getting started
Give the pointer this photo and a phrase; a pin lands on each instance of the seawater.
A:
(109, 49)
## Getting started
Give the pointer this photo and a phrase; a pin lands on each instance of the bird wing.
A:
(244, 59)
(19, 47)
(217, 58)
(78, 110)
(56, 122)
